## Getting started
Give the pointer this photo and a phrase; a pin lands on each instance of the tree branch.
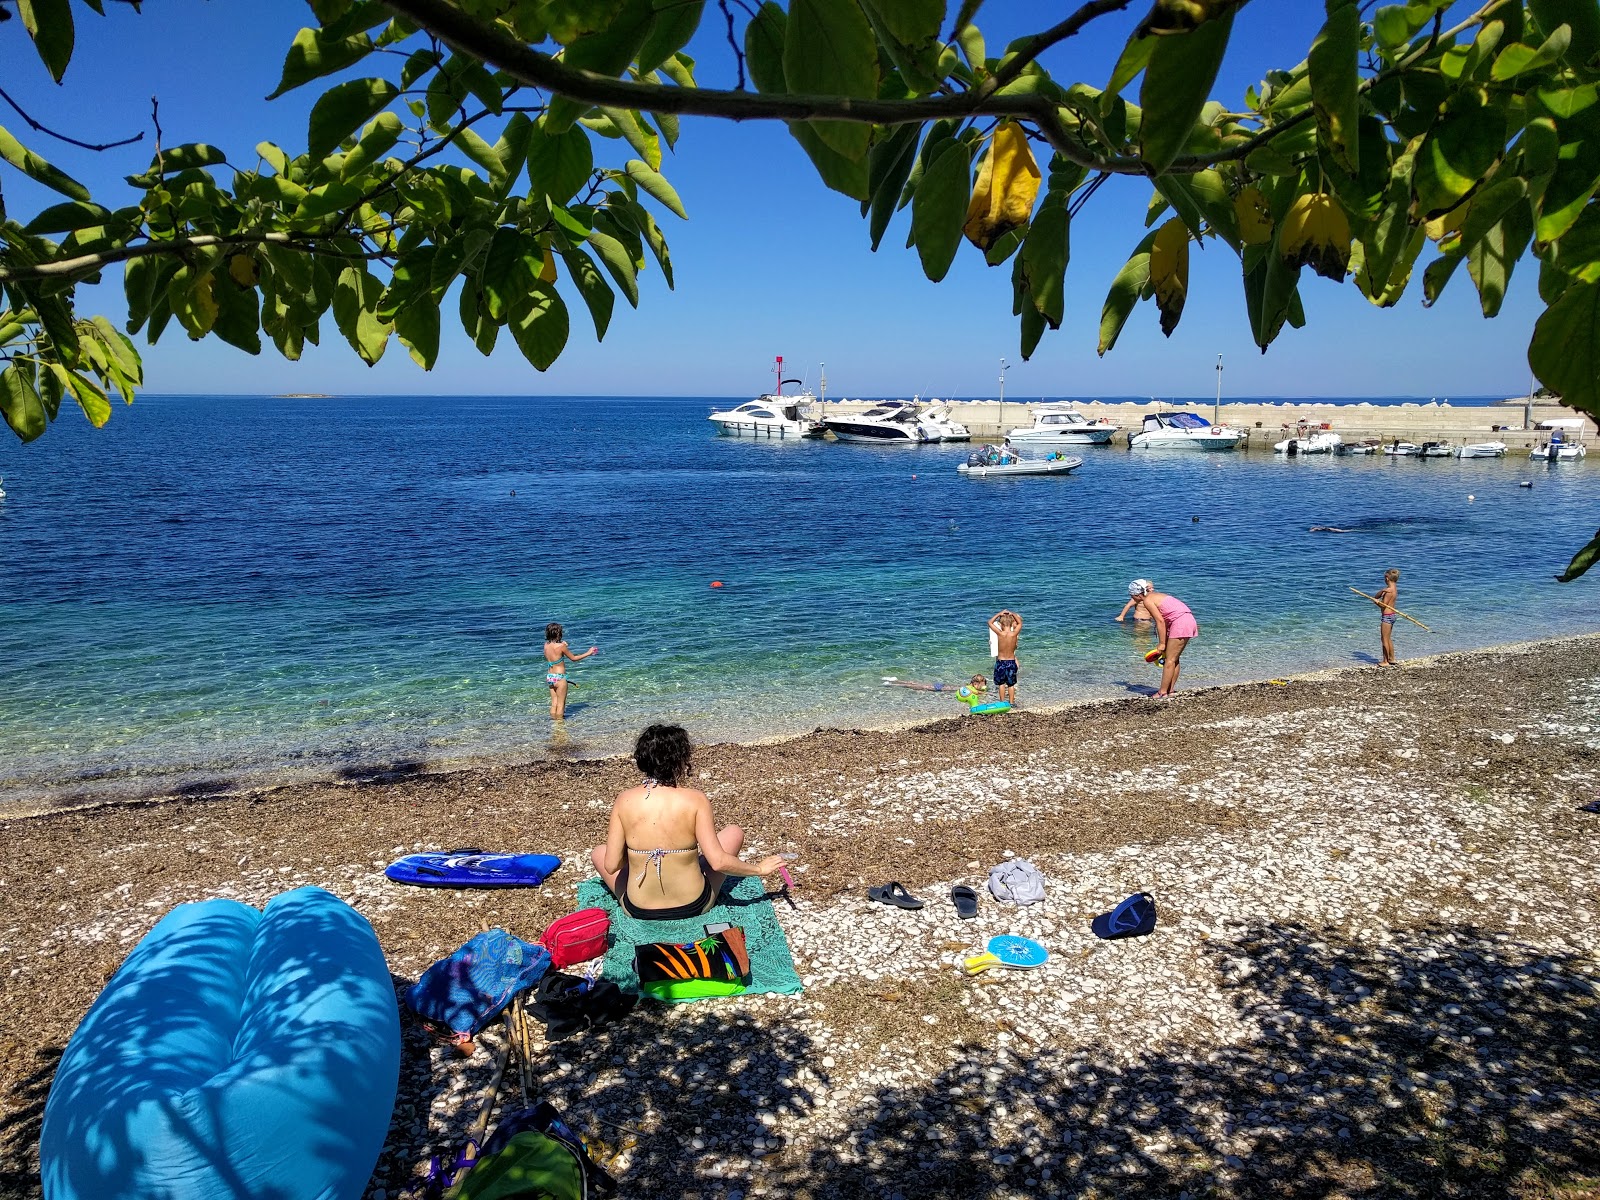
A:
(1040, 42)
(87, 264)
(61, 137)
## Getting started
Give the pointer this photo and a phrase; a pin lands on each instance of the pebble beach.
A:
(1376, 970)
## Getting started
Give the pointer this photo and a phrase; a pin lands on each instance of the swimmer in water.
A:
(557, 654)
(977, 681)
(1328, 529)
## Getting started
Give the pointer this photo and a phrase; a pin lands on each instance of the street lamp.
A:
(1002, 417)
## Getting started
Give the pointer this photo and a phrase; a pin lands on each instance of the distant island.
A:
(305, 396)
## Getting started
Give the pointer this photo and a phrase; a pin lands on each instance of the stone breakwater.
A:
(1269, 423)
(1377, 967)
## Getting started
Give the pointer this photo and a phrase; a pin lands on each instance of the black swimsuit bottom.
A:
(694, 908)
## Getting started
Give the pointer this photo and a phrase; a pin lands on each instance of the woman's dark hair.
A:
(663, 753)
(552, 632)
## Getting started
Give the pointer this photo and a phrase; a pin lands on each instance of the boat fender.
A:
(1216, 431)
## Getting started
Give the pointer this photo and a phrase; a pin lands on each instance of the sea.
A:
(215, 594)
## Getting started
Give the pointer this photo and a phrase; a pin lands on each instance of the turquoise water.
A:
(210, 594)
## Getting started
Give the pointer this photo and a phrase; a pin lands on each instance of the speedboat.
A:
(993, 461)
(937, 421)
(1183, 431)
(1437, 450)
(1482, 450)
(891, 422)
(768, 416)
(1558, 449)
(1370, 446)
(1058, 425)
(1320, 441)
(1399, 449)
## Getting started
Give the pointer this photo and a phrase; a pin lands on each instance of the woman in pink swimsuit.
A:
(1175, 625)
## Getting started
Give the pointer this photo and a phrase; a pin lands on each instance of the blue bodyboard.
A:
(472, 868)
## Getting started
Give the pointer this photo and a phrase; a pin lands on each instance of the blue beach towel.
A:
(740, 903)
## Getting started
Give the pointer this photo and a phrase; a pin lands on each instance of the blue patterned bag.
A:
(467, 990)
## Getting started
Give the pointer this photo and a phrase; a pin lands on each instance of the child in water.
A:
(556, 656)
(1006, 627)
(1386, 599)
(972, 693)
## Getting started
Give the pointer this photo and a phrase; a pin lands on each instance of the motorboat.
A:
(998, 462)
(936, 419)
(1444, 449)
(769, 417)
(1399, 449)
(1558, 449)
(1315, 441)
(1059, 425)
(1183, 431)
(773, 415)
(1370, 446)
(890, 422)
(1481, 450)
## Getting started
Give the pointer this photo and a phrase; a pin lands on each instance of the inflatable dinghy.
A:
(473, 868)
(234, 1053)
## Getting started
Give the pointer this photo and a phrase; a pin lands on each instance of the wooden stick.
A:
(488, 1096)
(1391, 608)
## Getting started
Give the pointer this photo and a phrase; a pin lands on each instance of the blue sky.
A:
(770, 262)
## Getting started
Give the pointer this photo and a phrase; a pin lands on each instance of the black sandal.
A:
(966, 901)
(893, 893)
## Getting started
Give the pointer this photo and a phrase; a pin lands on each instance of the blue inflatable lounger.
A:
(235, 1053)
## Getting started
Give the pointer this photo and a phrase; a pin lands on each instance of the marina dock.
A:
(1511, 421)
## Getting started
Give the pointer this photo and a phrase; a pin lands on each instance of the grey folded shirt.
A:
(1017, 881)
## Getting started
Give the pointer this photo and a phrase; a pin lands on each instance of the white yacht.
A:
(1315, 441)
(769, 417)
(1444, 449)
(1059, 425)
(889, 422)
(1183, 431)
(1481, 450)
(1399, 449)
(937, 420)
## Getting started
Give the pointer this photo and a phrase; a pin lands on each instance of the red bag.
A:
(576, 937)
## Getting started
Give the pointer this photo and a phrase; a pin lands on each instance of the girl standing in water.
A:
(1175, 625)
(557, 654)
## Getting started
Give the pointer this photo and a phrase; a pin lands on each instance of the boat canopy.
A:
(1184, 420)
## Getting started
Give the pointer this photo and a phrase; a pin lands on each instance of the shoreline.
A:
(515, 762)
(1338, 864)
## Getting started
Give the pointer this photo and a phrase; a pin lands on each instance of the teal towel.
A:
(740, 903)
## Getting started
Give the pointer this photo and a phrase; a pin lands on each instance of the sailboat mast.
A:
(1216, 409)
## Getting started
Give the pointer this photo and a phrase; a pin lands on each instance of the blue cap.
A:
(1134, 917)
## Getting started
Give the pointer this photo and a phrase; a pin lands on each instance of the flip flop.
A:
(894, 894)
(966, 901)
(1593, 807)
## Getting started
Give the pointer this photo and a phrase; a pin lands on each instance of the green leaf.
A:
(657, 242)
(49, 24)
(417, 327)
(478, 324)
(763, 47)
(1517, 59)
(377, 139)
(1044, 259)
(656, 185)
(1455, 157)
(939, 208)
(829, 50)
(1124, 294)
(38, 170)
(63, 218)
(1335, 82)
(540, 325)
(607, 52)
(845, 175)
(1438, 274)
(313, 54)
(675, 23)
(559, 164)
(355, 311)
(1135, 57)
(20, 403)
(120, 348)
(410, 281)
(592, 286)
(1177, 82)
(455, 255)
(238, 320)
(1581, 16)
(1576, 175)
(192, 295)
(1565, 351)
(1581, 561)
(502, 279)
(887, 171)
(637, 134)
(485, 155)
(343, 109)
(615, 258)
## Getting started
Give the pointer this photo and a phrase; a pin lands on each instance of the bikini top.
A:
(654, 857)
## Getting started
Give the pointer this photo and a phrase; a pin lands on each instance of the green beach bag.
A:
(530, 1166)
(716, 965)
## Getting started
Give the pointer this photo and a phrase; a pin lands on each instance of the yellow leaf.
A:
(547, 273)
(1255, 216)
(1440, 228)
(1008, 182)
(1316, 233)
(243, 269)
(1169, 271)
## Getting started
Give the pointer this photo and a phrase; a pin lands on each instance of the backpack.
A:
(533, 1155)
(576, 937)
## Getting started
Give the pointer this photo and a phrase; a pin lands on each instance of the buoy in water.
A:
(1471, 498)
(1527, 483)
(716, 583)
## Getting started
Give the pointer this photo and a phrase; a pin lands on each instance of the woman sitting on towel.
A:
(663, 856)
